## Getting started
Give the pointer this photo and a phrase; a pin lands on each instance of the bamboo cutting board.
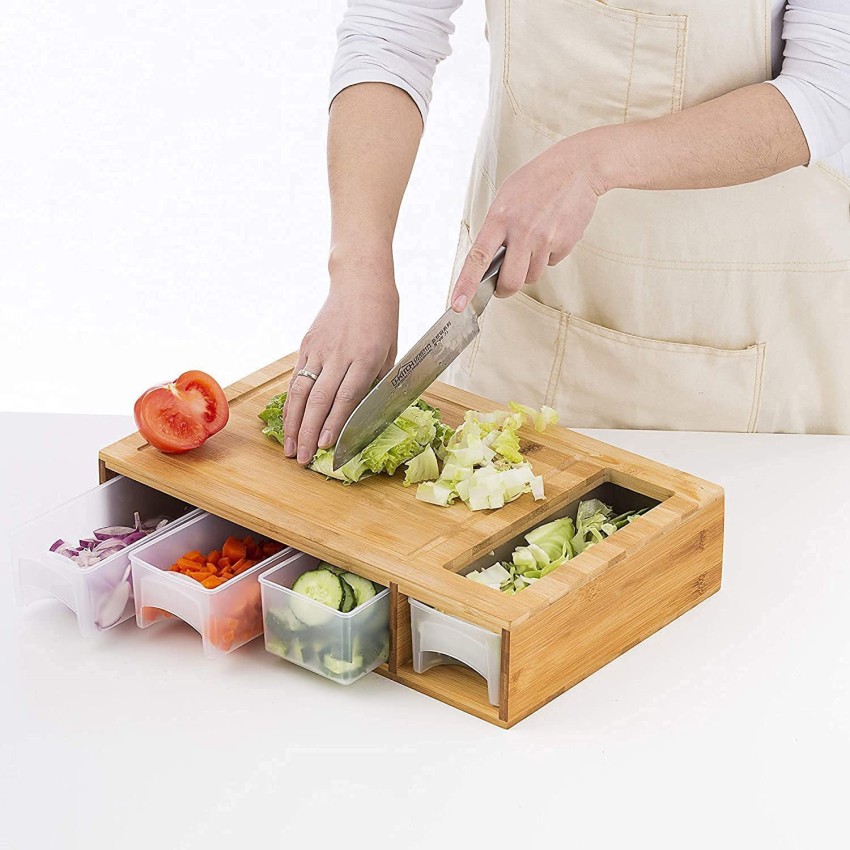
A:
(378, 529)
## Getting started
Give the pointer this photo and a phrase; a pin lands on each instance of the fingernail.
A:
(326, 439)
(460, 303)
(289, 447)
(303, 455)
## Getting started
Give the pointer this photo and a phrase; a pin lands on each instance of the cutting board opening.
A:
(620, 498)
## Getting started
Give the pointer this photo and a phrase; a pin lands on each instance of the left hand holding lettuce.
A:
(482, 462)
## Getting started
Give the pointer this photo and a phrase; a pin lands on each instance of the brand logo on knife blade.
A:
(405, 370)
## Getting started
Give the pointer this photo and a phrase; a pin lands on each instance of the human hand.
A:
(539, 214)
(351, 342)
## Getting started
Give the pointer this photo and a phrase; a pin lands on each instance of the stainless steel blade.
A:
(415, 371)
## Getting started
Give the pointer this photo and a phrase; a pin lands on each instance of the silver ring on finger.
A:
(306, 373)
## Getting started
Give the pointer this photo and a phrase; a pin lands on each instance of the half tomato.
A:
(183, 414)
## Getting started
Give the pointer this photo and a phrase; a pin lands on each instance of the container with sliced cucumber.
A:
(325, 618)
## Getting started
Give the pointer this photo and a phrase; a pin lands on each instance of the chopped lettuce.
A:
(552, 544)
(482, 460)
(541, 419)
(423, 467)
(416, 430)
(349, 473)
(484, 466)
(273, 417)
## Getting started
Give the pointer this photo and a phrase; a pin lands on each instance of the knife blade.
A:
(416, 370)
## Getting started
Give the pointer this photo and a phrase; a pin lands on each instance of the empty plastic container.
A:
(227, 616)
(101, 595)
(441, 639)
(341, 647)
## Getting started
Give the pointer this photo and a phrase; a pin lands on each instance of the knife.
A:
(416, 371)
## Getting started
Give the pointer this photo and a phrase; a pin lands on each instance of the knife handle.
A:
(488, 283)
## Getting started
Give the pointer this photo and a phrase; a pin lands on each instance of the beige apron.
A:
(719, 309)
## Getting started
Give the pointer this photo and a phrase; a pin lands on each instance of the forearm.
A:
(373, 136)
(741, 137)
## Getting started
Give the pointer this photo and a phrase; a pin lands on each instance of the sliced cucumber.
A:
(321, 586)
(283, 622)
(275, 645)
(324, 565)
(373, 647)
(296, 652)
(363, 588)
(349, 598)
(339, 667)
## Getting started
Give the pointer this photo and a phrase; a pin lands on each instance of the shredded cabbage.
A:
(418, 428)
(484, 466)
(552, 544)
(423, 467)
(482, 460)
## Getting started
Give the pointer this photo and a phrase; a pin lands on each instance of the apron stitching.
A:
(649, 343)
(768, 57)
(631, 70)
(466, 230)
(506, 82)
(645, 19)
(841, 178)
(491, 184)
(757, 389)
(675, 68)
(826, 267)
(651, 19)
(558, 362)
(679, 69)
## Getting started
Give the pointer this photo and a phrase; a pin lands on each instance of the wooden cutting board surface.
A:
(377, 527)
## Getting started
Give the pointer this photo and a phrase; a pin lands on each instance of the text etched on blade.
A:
(405, 370)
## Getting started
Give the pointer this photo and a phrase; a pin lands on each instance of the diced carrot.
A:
(233, 549)
(224, 563)
(212, 581)
(214, 555)
(243, 566)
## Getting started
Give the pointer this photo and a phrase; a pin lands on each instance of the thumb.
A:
(476, 264)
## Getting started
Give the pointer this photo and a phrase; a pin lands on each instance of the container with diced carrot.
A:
(208, 577)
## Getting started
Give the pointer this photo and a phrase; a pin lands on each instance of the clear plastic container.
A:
(100, 595)
(227, 616)
(441, 639)
(341, 647)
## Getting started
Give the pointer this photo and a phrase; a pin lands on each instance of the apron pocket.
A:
(575, 64)
(611, 379)
(514, 356)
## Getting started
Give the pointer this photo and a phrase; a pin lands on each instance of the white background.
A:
(163, 201)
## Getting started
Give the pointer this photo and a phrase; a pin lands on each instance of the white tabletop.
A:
(730, 727)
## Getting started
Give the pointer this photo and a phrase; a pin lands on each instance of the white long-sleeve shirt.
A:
(401, 42)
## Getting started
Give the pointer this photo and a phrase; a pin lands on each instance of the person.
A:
(721, 303)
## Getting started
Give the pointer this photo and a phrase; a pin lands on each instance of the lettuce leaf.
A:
(273, 417)
(423, 467)
(552, 544)
(416, 429)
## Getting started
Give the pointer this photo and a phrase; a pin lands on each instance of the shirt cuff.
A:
(800, 102)
(376, 75)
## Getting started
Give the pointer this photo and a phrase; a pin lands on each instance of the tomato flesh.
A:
(180, 416)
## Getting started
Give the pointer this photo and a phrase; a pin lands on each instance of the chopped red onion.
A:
(109, 540)
(111, 531)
